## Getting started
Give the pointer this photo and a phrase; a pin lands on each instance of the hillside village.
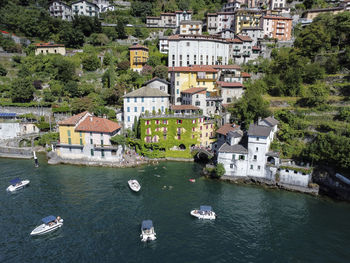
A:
(239, 85)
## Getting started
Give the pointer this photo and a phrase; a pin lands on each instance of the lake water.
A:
(102, 218)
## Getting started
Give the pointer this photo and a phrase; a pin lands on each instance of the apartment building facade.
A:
(278, 27)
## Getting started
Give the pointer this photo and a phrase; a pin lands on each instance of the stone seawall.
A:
(14, 152)
(270, 184)
(41, 111)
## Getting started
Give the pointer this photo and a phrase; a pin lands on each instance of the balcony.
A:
(194, 29)
(238, 55)
(236, 49)
(246, 54)
(206, 78)
(105, 147)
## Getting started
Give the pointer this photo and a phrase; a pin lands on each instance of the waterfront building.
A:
(138, 57)
(10, 129)
(278, 27)
(176, 132)
(168, 20)
(222, 134)
(216, 22)
(186, 50)
(86, 137)
(49, 48)
(189, 27)
(163, 45)
(246, 18)
(61, 10)
(85, 8)
(250, 157)
(158, 83)
(140, 101)
(183, 78)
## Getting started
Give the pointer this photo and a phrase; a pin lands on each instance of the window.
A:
(198, 103)
(255, 157)
(162, 108)
(142, 99)
(192, 136)
(179, 121)
(179, 137)
(92, 152)
(101, 142)
(200, 135)
(143, 109)
(193, 129)
(147, 122)
(165, 122)
(257, 149)
(193, 121)
(177, 91)
(81, 141)
(128, 99)
(241, 157)
(257, 138)
(69, 141)
(102, 153)
(68, 131)
(206, 134)
(80, 134)
(157, 122)
(135, 99)
(128, 109)
(187, 44)
(70, 149)
(91, 141)
(233, 156)
(128, 118)
(135, 109)
(177, 74)
(251, 167)
(153, 99)
(153, 108)
(177, 83)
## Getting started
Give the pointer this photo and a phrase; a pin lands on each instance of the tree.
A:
(219, 170)
(249, 108)
(121, 30)
(344, 114)
(108, 78)
(316, 95)
(313, 72)
(119, 140)
(123, 65)
(141, 9)
(22, 90)
(97, 39)
(70, 37)
(161, 72)
(3, 71)
(154, 61)
(64, 69)
(90, 62)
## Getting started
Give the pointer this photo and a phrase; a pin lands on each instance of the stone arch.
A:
(182, 146)
(271, 160)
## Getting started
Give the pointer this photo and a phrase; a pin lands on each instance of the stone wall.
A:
(13, 152)
(41, 111)
(292, 177)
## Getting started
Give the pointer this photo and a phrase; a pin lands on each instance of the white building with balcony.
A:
(217, 22)
(163, 45)
(140, 101)
(85, 8)
(189, 27)
(61, 10)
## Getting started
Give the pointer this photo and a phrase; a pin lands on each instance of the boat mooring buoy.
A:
(36, 162)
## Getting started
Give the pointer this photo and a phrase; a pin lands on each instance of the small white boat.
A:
(17, 184)
(134, 185)
(147, 231)
(50, 223)
(204, 212)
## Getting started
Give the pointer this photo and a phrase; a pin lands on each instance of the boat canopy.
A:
(147, 224)
(205, 208)
(48, 219)
(15, 181)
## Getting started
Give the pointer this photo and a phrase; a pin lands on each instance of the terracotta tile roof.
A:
(224, 129)
(227, 66)
(235, 40)
(256, 48)
(152, 17)
(48, 45)
(74, 119)
(194, 90)
(138, 46)
(245, 38)
(183, 107)
(229, 84)
(278, 17)
(179, 11)
(194, 68)
(245, 75)
(96, 124)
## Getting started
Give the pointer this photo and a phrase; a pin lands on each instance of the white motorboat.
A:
(134, 185)
(50, 223)
(147, 231)
(204, 212)
(17, 184)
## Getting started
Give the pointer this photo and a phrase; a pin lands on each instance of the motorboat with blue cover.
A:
(50, 223)
(134, 185)
(17, 184)
(147, 231)
(204, 212)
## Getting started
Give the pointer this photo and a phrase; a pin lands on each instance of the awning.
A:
(147, 224)
(205, 208)
(15, 181)
(48, 219)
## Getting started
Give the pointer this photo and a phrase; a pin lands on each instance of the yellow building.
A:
(246, 18)
(138, 57)
(206, 132)
(196, 76)
(68, 135)
(49, 48)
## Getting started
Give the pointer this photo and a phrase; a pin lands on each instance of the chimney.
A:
(104, 116)
(91, 118)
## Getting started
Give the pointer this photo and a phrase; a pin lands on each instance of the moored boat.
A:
(50, 223)
(134, 185)
(147, 231)
(204, 212)
(17, 184)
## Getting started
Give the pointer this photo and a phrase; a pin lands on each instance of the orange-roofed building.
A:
(138, 57)
(278, 27)
(49, 48)
(86, 137)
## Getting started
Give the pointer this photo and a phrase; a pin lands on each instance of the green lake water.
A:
(102, 218)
